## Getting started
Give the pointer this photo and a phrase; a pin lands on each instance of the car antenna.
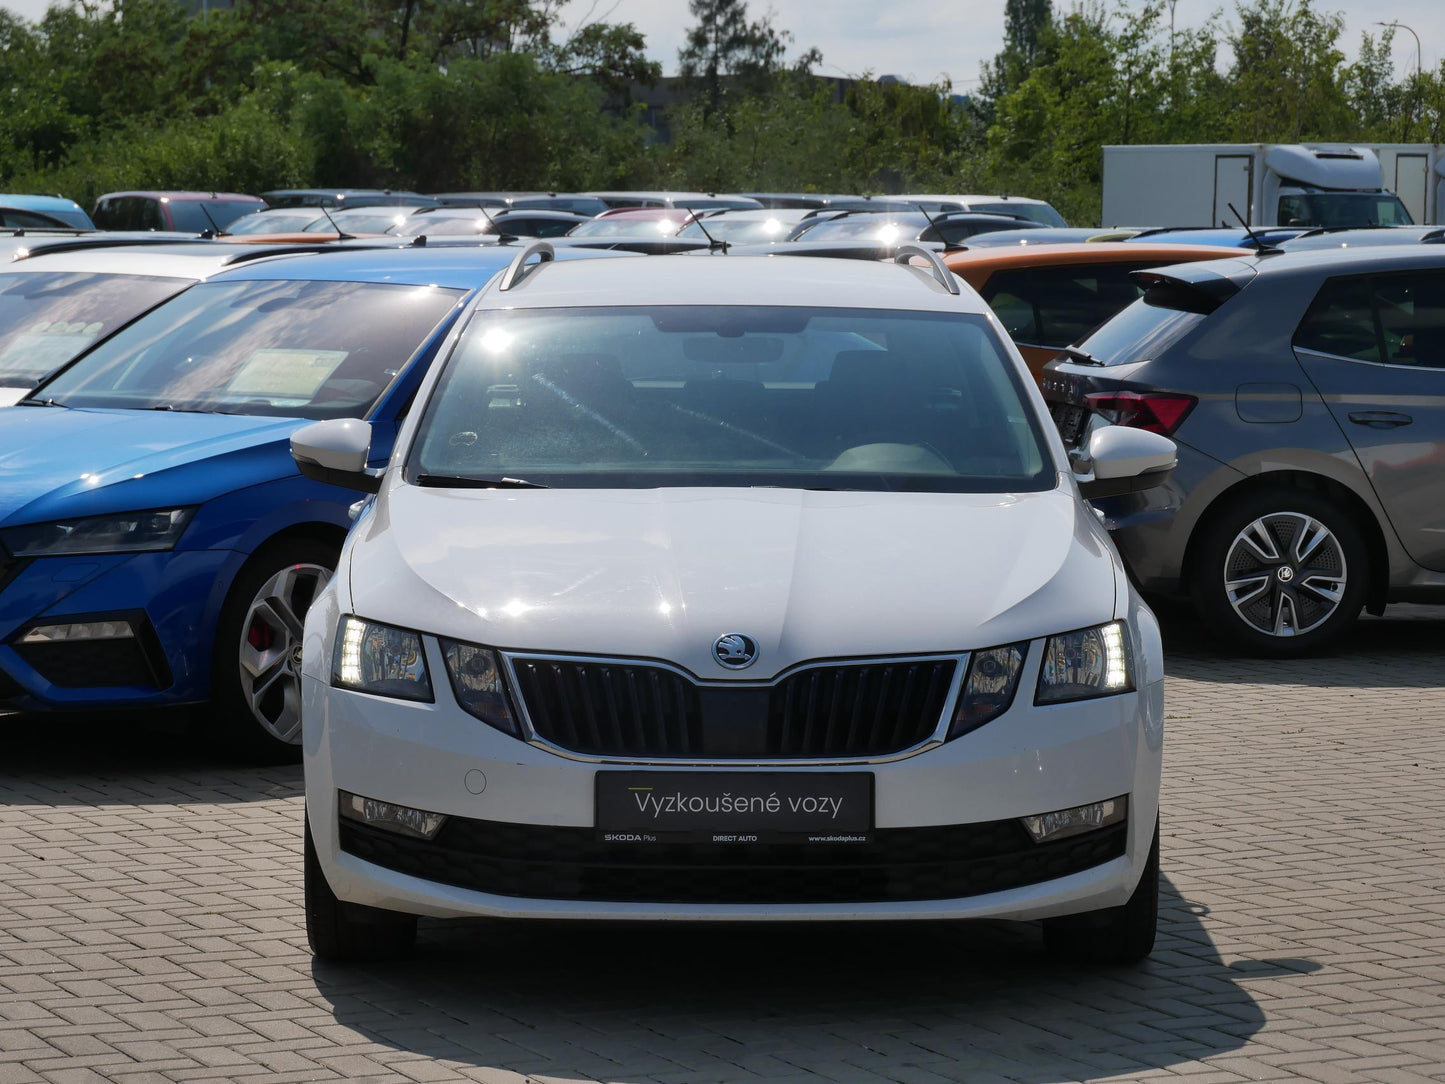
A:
(948, 246)
(341, 235)
(502, 235)
(215, 230)
(713, 244)
(1260, 247)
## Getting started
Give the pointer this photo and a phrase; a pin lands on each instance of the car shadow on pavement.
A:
(905, 1001)
(124, 759)
(1401, 649)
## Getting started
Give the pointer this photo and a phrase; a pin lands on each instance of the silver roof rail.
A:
(906, 252)
(518, 267)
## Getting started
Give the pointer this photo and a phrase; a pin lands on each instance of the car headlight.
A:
(379, 659)
(1085, 664)
(988, 687)
(128, 532)
(476, 676)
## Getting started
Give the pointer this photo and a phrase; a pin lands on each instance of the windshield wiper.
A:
(451, 481)
(1083, 357)
(27, 401)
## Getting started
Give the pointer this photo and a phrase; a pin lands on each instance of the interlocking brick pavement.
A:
(150, 927)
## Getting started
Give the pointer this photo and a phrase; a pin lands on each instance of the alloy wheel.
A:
(270, 648)
(1285, 574)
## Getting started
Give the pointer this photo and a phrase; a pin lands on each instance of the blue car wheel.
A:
(256, 691)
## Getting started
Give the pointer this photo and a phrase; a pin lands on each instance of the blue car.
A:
(25, 211)
(157, 543)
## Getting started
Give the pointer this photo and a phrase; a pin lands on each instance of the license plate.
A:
(734, 807)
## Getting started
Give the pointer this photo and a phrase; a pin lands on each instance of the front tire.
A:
(256, 669)
(1115, 936)
(1281, 573)
(349, 932)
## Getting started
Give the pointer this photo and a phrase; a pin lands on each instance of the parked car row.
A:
(577, 481)
(736, 584)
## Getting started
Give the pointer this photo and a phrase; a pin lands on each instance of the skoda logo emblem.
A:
(1285, 573)
(735, 651)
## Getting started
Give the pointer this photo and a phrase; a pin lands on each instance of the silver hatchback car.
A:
(1306, 393)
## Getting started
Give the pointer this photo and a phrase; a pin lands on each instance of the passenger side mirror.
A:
(335, 451)
(1124, 460)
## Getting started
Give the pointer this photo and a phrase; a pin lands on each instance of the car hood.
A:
(55, 461)
(663, 573)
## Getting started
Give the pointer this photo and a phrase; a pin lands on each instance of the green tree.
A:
(1288, 77)
(1027, 42)
(1111, 78)
(723, 43)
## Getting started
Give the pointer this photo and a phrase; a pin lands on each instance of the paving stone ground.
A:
(150, 927)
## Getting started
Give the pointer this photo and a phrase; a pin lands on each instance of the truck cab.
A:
(1320, 186)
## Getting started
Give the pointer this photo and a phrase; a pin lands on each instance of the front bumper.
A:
(172, 598)
(943, 820)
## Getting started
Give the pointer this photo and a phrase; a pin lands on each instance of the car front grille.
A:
(898, 864)
(93, 664)
(626, 709)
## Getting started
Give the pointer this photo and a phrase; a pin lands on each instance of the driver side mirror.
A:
(335, 451)
(1124, 460)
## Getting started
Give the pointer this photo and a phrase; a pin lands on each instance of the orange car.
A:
(1048, 296)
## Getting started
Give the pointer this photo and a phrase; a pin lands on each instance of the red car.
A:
(187, 212)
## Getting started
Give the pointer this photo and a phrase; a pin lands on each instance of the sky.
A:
(926, 40)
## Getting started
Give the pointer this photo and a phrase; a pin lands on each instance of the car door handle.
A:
(1380, 419)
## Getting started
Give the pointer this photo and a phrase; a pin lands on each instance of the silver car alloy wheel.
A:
(270, 648)
(1285, 574)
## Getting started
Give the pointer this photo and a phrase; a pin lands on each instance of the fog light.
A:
(80, 630)
(400, 819)
(1061, 823)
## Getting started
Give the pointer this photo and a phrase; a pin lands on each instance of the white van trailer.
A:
(1416, 173)
(1271, 184)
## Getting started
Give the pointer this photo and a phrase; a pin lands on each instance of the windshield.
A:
(450, 222)
(742, 230)
(1034, 212)
(1140, 332)
(1337, 209)
(732, 396)
(870, 226)
(275, 222)
(362, 220)
(290, 348)
(46, 318)
(192, 215)
(624, 226)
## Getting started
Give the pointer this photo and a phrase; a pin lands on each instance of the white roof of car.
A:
(969, 199)
(178, 261)
(736, 280)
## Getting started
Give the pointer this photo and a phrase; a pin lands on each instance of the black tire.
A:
(1220, 554)
(233, 725)
(350, 932)
(1115, 936)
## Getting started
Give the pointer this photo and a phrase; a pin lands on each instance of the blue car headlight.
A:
(124, 532)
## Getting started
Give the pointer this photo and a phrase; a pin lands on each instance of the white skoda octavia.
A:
(731, 588)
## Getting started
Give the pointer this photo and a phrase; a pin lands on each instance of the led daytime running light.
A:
(1085, 664)
(381, 660)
